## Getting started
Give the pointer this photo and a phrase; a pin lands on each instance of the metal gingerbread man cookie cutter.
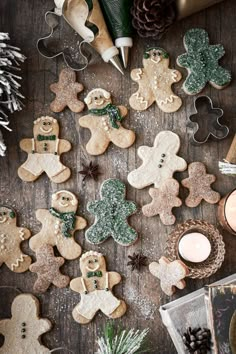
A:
(204, 120)
(49, 46)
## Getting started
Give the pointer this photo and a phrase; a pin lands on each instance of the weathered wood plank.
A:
(24, 20)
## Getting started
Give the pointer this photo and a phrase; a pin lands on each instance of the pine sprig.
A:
(122, 341)
(10, 96)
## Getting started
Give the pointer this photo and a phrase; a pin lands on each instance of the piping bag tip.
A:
(115, 61)
(124, 51)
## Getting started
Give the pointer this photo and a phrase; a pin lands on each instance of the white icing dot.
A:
(3, 247)
(106, 128)
(56, 232)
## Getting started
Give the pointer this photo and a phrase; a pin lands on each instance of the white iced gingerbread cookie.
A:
(44, 151)
(59, 224)
(95, 288)
(23, 330)
(11, 237)
(104, 122)
(159, 162)
(155, 80)
(171, 274)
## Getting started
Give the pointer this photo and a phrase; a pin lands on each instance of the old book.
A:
(221, 315)
(187, 311)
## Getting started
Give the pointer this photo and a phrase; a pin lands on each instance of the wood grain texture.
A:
(24, 20)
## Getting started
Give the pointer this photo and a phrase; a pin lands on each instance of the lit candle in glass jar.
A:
(194, 247)
(230, 210)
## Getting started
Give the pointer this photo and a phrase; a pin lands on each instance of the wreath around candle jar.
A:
(212, 263)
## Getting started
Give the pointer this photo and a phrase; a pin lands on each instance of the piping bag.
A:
(86, 18)
(119, 22)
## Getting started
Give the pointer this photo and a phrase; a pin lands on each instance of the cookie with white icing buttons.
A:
(59, 224)
(171, 274)
(160, 161)
(95, 289)
(11, 237)
(44, 151)
(155, 80)
(23, 330)
(104, 120)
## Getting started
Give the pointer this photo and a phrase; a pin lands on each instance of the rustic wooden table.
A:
(24, 20)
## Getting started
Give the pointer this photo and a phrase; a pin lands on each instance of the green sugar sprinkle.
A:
(201, 60)
(111, 213)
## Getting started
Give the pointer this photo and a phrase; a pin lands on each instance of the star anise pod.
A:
(90, 171)
(137, 261)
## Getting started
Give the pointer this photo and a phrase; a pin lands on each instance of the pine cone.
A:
(198, 340)
(152, 18)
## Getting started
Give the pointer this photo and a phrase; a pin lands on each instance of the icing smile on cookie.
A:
(99, 103)
(3, 219)
(64, 204)
(92, 269)
(46, 131)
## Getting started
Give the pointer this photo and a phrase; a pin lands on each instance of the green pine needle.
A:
(122, 341)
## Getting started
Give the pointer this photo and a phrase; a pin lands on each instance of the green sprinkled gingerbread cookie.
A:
(111, 214)
(201, 61)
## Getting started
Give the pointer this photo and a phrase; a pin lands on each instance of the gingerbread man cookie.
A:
(104, 122)
(11, 237)
(201, 61)
(171, 274)
(66, 91)
(199, 185)
(164, 199)
(44, 151)
(23, 330)
(59, 224)
(47, 268)
(155, 80)
(159, 162)
(111, 214)
(95, 288)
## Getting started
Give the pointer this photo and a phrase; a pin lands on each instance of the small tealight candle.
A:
(194, 247)
(230, 210)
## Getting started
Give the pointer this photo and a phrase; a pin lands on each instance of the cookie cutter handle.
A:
(231, 155)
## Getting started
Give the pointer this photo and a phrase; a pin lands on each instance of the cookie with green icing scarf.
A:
(111, 213)
(201, 61)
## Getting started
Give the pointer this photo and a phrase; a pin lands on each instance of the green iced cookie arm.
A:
(201, 60)
(217, 51)
(98, 233)
(220, 77)
(124, 234)
(111, 215)
(195, 83)
(182, 60)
